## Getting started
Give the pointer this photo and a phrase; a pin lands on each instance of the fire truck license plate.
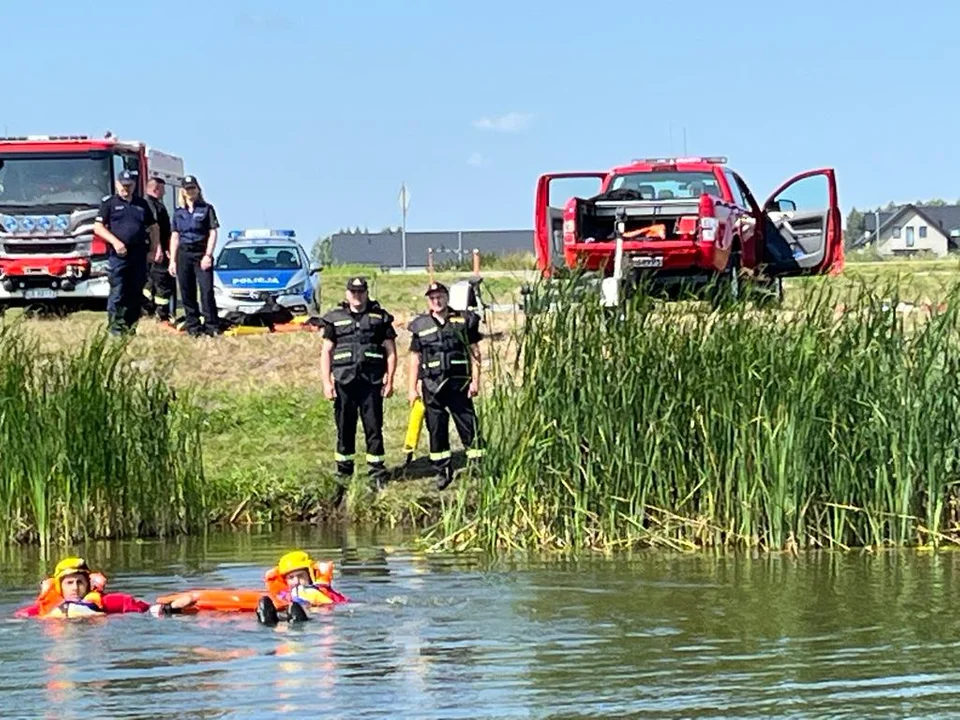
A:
(647, 261)
(40, 294)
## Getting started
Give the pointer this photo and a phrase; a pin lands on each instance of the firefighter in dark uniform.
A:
(357, 363)
(161, 288)
(445, 363)
(126, 222)
(192, 244)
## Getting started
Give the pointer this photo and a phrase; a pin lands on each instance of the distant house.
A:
(909, 229)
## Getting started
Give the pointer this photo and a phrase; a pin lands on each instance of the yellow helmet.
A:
(70, 566)
(296, 560)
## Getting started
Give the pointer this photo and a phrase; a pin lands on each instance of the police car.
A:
(257, 266)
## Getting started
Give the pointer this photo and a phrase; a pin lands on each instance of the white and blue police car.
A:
(259, 265)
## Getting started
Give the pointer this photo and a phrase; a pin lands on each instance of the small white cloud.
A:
(512, 122)
(476, 160)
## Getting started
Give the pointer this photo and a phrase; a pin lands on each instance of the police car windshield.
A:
(261, 257)
(41, 180)
(667, 184)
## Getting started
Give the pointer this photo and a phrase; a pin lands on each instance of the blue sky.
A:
(311, 114)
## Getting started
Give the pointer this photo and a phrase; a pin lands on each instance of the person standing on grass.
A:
(161, 288)
(126, 222)
(192, 244)
(445, 372)
(357, 363)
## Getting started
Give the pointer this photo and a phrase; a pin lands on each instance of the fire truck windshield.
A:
(42, 180)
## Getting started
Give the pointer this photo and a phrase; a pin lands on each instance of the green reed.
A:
(685, 425)
(91, 446)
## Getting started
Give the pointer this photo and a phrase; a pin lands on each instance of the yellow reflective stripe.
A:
(459, 362)
(433, 363)
(429, 331)
(343, 458)
(371, 353)
(338, 323)
(339, 355)
(375, 458)
(376, 315)
(440, 455)
(456, 320)
(160, 298)
(475, 453)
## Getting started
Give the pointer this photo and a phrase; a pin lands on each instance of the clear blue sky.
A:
(310, 114)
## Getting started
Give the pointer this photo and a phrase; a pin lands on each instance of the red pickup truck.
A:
(690, 219)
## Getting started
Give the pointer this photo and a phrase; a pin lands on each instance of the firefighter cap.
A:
(127, 178)
(190, 181)
(436, 287)
(357, 283)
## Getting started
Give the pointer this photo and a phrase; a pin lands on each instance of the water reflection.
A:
(649, 634)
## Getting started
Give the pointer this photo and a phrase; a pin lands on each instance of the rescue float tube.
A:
(219, 600)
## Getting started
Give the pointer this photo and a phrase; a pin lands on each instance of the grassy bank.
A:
(90, 447)
(829, 425)
(268, 433)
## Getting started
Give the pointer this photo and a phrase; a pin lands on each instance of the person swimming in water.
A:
(74, 590)
(299, 582)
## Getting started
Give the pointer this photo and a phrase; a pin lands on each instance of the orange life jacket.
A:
(321, 573)
(50, 602)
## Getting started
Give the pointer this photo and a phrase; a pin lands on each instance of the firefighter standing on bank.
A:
(161, 288)
(357, 363)
(445, 363)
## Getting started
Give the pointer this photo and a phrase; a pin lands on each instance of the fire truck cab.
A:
(51, 188)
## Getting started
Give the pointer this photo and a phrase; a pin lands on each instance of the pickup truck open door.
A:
(548, 217)
(802, 232)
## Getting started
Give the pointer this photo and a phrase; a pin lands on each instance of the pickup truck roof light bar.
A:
(712, 159)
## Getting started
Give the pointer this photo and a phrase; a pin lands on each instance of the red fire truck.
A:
(50, 190)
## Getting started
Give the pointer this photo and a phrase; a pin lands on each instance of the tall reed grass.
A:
(685, 426)
(93, 447)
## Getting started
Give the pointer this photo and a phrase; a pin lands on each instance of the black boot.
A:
(378, 477)
(296, 613)
(445, 477)
(267, 612)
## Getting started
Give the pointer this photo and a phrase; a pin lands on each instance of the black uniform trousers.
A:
(450, 399)
(189, 276)
(127, 275)
(161, 290)
(359, 400)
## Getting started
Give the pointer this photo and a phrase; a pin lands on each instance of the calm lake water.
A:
(653, 635)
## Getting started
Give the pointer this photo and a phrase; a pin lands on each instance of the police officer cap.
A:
(126, 178)
(357, 283)
(437, 287)
(190, 181)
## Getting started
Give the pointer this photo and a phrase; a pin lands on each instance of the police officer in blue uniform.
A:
(192, 244)
(357, 364)
(127, 223)
(444, 370)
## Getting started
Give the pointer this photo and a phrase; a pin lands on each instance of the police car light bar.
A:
(260, 233)
(713, 159)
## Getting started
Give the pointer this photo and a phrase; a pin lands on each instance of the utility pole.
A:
(404, 204)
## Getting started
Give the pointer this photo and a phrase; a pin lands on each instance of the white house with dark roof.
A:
(910, 229)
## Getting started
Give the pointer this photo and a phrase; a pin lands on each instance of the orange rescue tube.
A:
(223, 600)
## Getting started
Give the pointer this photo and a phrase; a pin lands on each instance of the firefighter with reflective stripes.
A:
(357, 363)
(445, 373)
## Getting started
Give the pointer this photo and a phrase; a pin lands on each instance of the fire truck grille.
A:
(15, 249)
